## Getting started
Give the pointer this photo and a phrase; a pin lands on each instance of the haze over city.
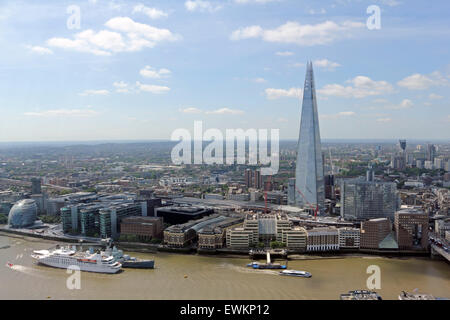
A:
(137, 70)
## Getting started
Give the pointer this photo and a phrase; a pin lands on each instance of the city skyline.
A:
(138, 70)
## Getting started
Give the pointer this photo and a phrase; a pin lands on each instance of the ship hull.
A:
(295, 275)
(148, 264)
(83, 266)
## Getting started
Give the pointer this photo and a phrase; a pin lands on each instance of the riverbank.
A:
(230, 253)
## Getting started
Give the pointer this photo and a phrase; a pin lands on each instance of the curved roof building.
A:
(22, 214)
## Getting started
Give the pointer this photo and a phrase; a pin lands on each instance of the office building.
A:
(295, 238)
(182, 235)
(142, 227)
(362, 199)
(349, 238)
(377, 234)
(111, 217)
(180, 214)
(429, 165)
(441, 226)
(431, 152)
(411, 228)
(329, 187)
(309, 175)
(36, 186)
(213, 236)
(240, 238)
(291, 192)
(323, 239)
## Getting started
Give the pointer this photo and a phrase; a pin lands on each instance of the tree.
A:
(276, 244)
(3, 219)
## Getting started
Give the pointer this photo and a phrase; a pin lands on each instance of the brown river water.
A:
(178, 276)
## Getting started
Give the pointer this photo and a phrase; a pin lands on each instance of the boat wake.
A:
(23, 269)
(248, 270)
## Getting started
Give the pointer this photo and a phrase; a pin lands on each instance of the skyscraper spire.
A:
(309, 181)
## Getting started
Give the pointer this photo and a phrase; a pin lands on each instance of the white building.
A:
(429, 165)
(323, 239)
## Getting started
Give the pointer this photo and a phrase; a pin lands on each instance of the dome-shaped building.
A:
(22, 214)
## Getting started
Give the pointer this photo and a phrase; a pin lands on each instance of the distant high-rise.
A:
(309, 176)
(35, 185)
(403, 145)
(431, 152)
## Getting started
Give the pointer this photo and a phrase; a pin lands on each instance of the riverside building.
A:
(323, 239)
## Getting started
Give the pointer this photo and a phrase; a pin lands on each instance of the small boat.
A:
(296, 273)
(257, 265)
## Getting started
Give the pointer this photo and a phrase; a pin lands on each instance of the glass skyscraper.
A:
(309, 183)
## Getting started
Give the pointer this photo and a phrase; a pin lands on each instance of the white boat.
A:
(66, 258)
(296, 273)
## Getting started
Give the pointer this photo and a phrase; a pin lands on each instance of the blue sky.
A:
(140, 70)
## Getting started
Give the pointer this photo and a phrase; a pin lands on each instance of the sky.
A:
(138, 70)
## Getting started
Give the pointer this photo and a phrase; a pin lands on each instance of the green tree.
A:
(3, 219)
(276, 244)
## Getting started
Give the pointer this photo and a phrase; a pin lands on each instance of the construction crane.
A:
(315, 209)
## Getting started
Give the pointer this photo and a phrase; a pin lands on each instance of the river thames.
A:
(178, 276)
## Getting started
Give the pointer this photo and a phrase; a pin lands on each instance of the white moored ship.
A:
(66, 257)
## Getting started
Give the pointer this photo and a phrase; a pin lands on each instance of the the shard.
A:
(309, 180)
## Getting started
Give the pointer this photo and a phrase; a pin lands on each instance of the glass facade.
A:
(309, 180)
(23, 214)
(363, 200)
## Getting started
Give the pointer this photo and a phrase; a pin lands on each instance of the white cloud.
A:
(225, 111)
(326, 64)
(128, 36)
(201, 5)
(152, 88)
(254, 1)
(390, 3)
(272, 93)
(298, 65)
(434, 96)
(338, 115)
(361, 87)
(305, 35)
(39, 50)
(138, 31)
(152, 13)
(260, 80)
(419, 81)
(94, 93)
(405, 104)
(321, 11)
(63, 113)
(284, 53)
(247, 33)
(122, 87)
(150, 72)
(191, 110)
(384, 120)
